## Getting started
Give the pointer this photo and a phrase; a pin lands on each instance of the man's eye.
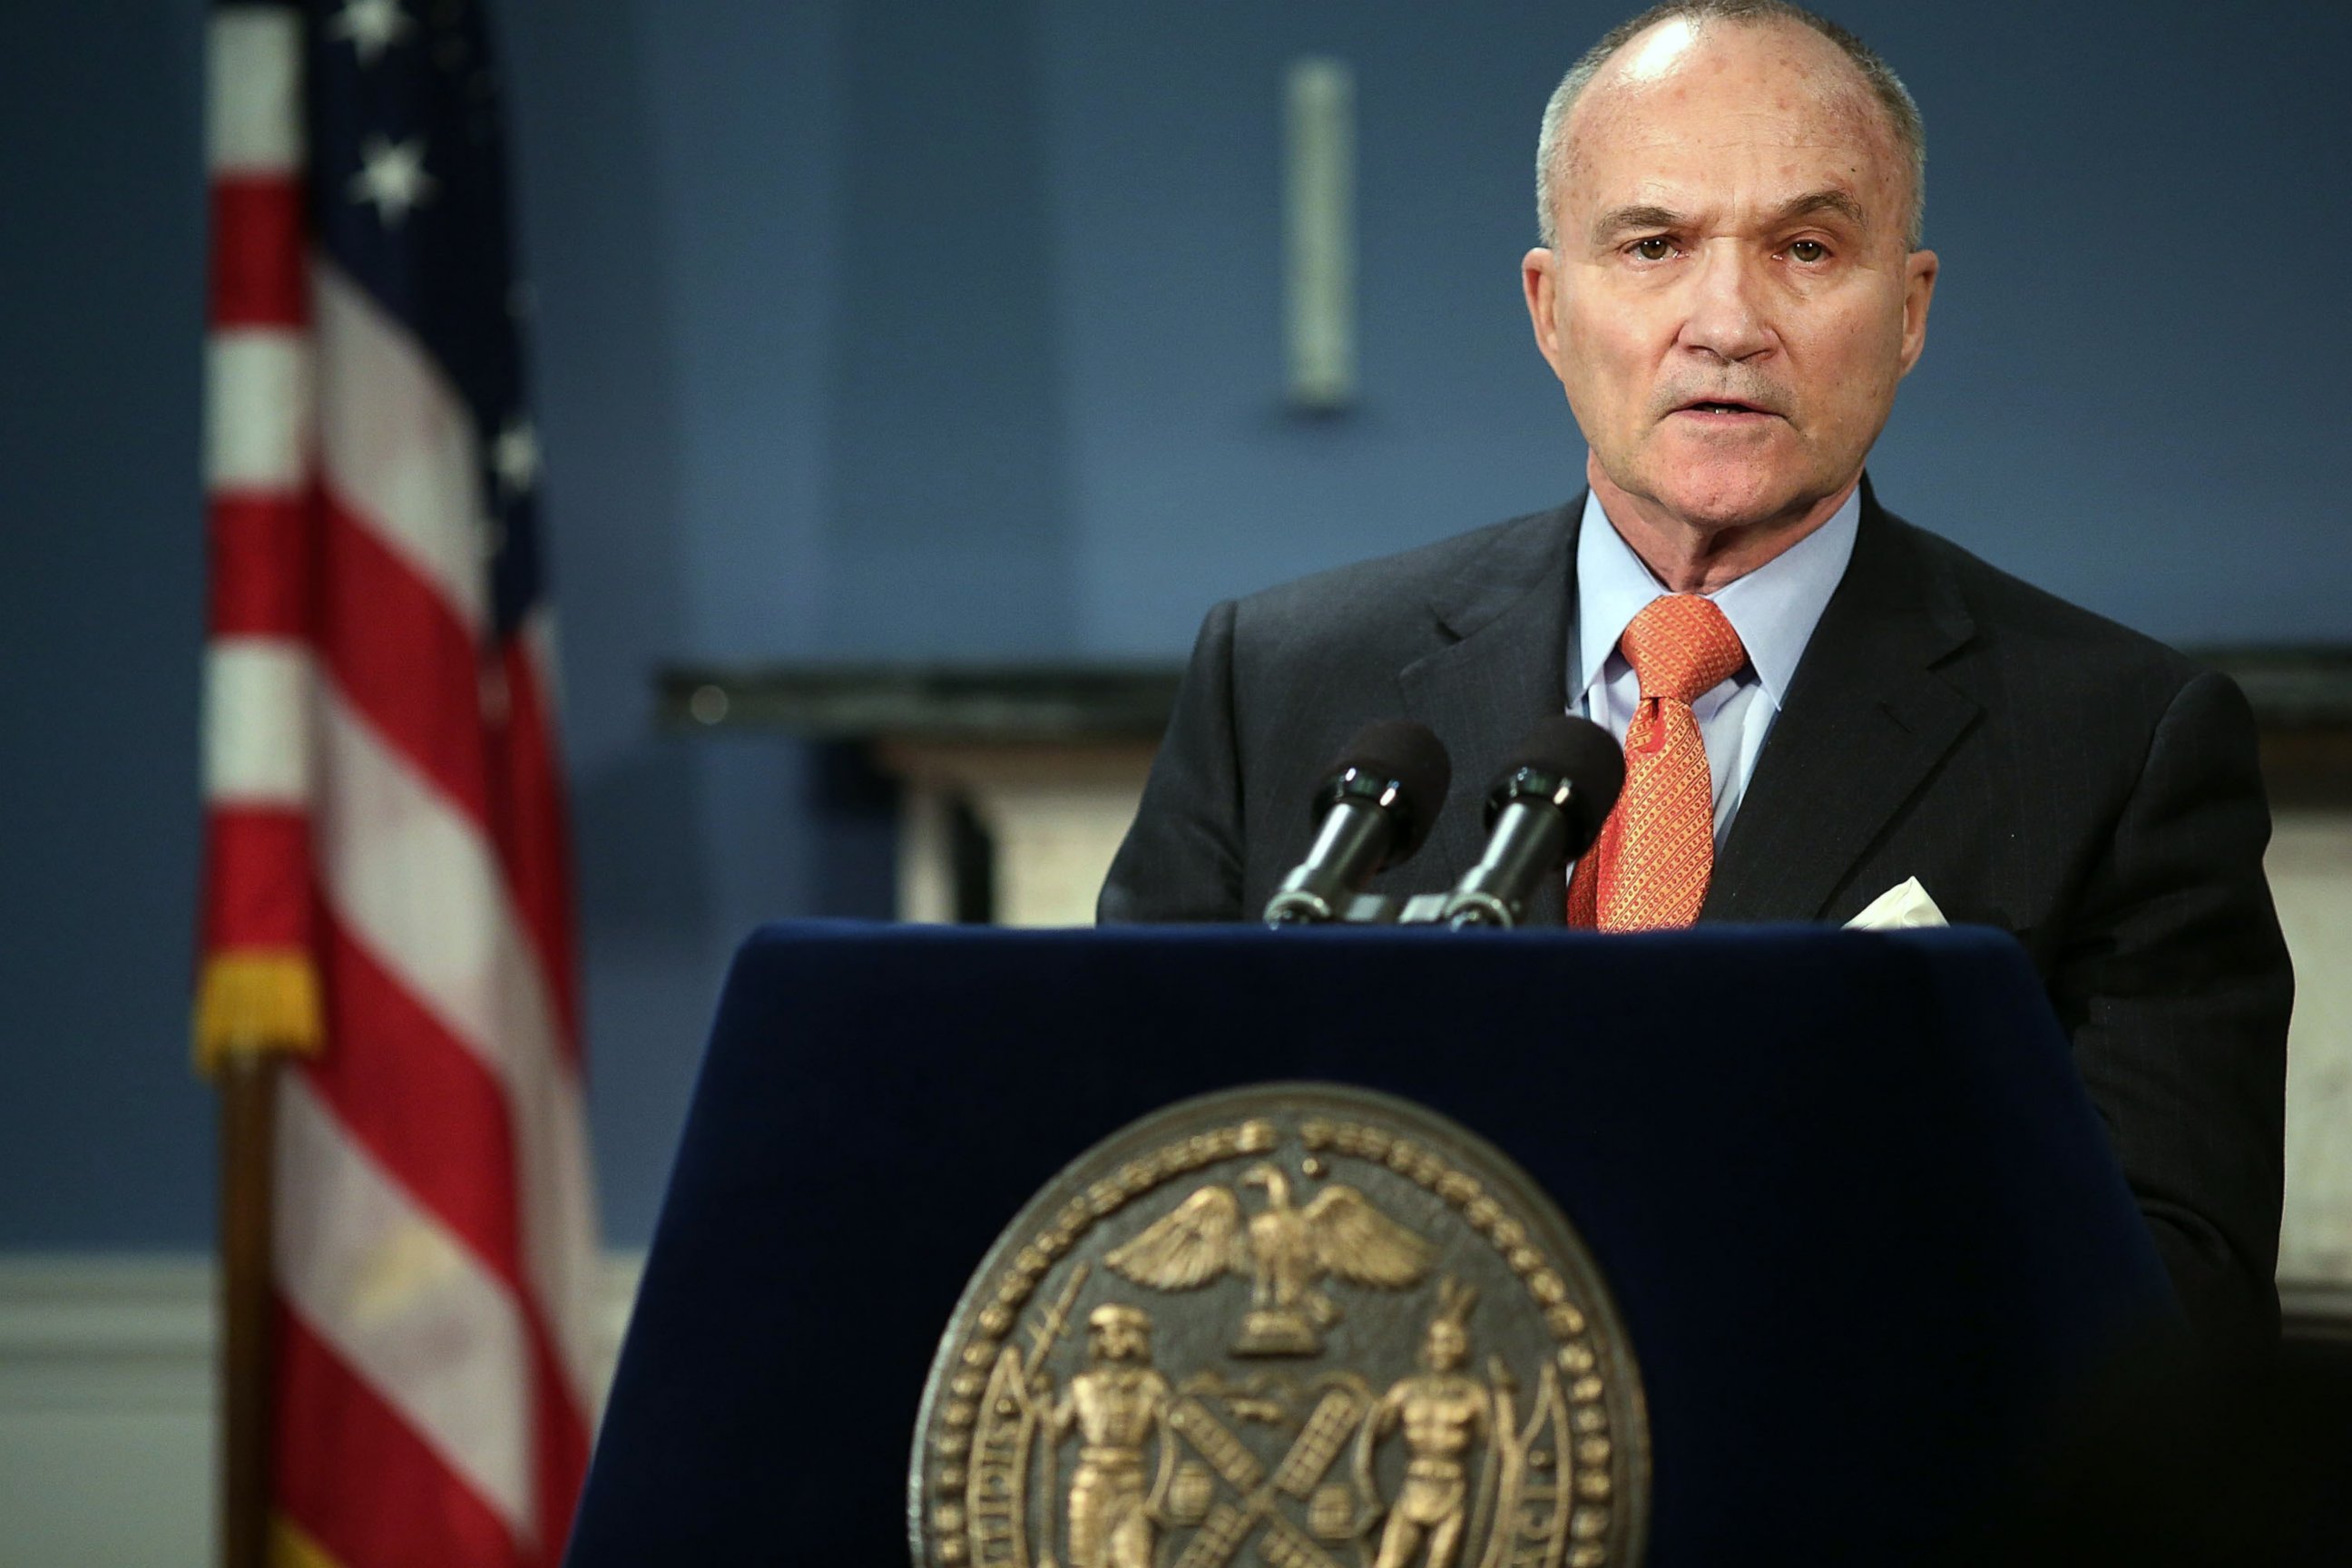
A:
(1809, 250)
(1653, 248)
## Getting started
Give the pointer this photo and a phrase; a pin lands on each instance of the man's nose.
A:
(1727, 316)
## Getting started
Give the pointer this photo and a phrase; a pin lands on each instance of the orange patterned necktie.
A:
(1650, 867)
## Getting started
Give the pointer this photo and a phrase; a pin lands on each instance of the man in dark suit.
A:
(1819, 701)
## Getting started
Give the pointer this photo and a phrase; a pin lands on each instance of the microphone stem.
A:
(1349, 847)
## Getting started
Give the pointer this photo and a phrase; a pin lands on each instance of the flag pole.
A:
(248, 1105)
(255, 1007)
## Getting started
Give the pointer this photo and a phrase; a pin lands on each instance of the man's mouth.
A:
(1725, 408)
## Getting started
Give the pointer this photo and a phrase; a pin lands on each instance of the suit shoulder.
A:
(2033, 625)
(1392, 591)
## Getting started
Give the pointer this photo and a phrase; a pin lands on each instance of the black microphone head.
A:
(1573, 762)
(1399, 765)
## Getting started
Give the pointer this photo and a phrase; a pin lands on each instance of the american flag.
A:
(386, 889)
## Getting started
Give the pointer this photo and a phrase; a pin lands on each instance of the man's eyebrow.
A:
(1618, 220)
(1829, 200)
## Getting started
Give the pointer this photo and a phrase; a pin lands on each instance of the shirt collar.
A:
(1773, 608)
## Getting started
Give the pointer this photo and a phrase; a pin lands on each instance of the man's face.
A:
(1444, 1346)
(1116, 1342)
(1732, 297)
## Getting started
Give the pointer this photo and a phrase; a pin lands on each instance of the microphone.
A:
(1375, 806)
(1545, 809)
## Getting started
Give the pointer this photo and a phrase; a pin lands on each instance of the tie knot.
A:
(1681, 646)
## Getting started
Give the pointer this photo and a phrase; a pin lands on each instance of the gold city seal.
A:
(1322, 1324)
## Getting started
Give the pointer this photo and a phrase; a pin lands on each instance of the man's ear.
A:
(1919, 290)
(1540, 277)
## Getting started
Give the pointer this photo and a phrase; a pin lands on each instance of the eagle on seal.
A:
(1286, 1250)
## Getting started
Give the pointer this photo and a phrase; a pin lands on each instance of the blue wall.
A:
(912, 329)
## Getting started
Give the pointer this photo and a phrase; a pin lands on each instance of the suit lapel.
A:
(1867, 718)
(1504, 667)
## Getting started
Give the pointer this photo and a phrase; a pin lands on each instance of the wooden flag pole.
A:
(253, 1008)
(247, 1081)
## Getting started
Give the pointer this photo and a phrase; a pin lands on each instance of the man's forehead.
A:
(1656, 54)
(1682, 52)
(1775, 84)
(1762, 114)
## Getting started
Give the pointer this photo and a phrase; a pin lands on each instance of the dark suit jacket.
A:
(2036, 767)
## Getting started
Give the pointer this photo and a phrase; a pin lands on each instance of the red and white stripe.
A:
(381, 793)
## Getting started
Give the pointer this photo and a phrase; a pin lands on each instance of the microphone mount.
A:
(1357, 806)
(1372, 810)
(1475, 903)
(1545, 808)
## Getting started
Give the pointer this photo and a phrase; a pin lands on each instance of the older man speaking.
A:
(1823, 701)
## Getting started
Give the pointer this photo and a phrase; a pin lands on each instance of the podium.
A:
(1856, 1211)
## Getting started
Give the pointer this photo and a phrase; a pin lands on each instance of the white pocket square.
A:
(1906, 906)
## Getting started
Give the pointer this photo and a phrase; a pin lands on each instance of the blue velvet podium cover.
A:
(1856, 1211)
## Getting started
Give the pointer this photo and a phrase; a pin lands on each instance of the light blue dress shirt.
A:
(1773, 608)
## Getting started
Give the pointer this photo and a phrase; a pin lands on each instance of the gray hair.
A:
(1902, 110)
